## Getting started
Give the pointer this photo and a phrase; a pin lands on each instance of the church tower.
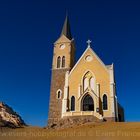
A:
(63, 61)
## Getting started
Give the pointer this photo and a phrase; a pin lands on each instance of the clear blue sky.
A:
(28, 30)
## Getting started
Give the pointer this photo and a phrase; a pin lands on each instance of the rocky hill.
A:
(9, 118)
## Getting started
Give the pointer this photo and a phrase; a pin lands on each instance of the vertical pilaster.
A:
(66, 92)
(112, 91)
(79, 90)
(98, 94)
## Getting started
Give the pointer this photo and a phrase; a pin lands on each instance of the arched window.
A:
(105, 105)
(72, 103)
(86, 83)
(92, 84)
(58, 62)
(88, 103)
(63, 61)
(59, 92)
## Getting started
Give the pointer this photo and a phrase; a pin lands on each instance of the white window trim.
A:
(74, 105)
(82, 80)
(57, 61)
(59, 90)
(107, 102)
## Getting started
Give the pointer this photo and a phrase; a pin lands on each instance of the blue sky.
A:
(28, 30)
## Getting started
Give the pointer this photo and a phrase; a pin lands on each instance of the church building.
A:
(85, 89)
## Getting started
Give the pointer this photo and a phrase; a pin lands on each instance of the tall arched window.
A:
(105, 105)
(72, 103)
(63, 61)
(86, 83)
(58, 62)
(92, 83)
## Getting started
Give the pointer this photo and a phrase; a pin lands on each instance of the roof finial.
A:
(89, 42)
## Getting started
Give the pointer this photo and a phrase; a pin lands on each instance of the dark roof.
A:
(66, 29)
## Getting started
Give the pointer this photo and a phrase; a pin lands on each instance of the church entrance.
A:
(88, 103)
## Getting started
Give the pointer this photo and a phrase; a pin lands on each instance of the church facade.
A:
(83, 89)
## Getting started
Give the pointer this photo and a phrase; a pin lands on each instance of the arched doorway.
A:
(88, 103)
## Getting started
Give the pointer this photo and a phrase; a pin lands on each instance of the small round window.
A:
(88, 58)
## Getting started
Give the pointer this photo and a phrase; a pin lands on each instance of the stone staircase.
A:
(71, 121)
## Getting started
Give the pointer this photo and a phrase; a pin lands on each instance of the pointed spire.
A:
(66, 28)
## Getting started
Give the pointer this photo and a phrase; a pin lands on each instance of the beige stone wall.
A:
(100, 73)
(68, 51)
(55, 106)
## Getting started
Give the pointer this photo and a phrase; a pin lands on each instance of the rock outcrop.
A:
(9, 118)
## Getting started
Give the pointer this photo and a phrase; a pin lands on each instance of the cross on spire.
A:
(89, 42)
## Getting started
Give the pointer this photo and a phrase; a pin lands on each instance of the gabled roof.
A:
(89, 48)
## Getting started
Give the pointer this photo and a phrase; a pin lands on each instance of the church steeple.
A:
(64, 50)
(66, 28)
